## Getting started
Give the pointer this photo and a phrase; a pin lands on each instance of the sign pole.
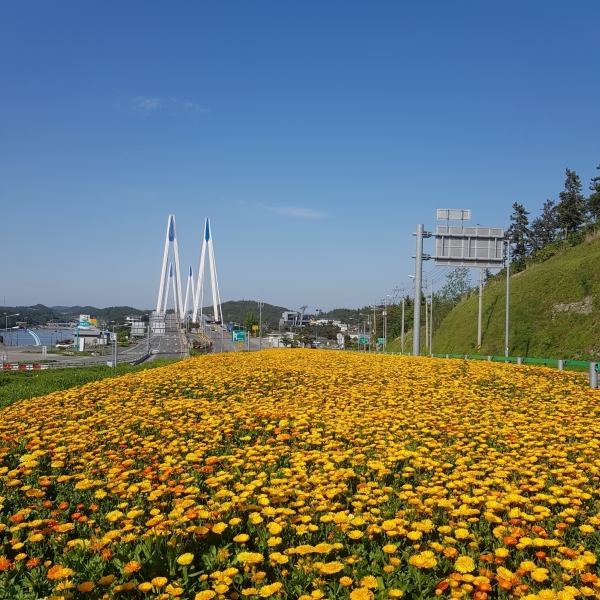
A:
(418, 275)
(507, 298)
(480, 309)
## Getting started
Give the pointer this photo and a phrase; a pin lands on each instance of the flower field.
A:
(304, 475)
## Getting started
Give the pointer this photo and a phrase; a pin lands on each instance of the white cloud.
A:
(145, 105)
(298, 212)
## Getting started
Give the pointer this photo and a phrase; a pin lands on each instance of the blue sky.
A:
(315, 135)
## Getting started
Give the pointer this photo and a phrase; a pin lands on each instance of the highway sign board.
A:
(469, 247)
(238, 335)
(381, 340)
(453, 214)
(363, 339)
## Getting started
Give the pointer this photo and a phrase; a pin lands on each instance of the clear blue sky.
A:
(315, 135)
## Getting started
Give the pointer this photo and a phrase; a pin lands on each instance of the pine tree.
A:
(545, 227)
(572, 206)
(519, 233)
(593, 202)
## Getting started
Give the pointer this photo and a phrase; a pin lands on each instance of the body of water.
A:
(23, 337)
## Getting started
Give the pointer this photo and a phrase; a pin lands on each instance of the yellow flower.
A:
(249, 592)
(146, 586)
(250, 557)
(331, 567)
(274, 528)
(205, 595)
(355, 534)
(345, 581)
(501, 552)
(461, 533)
(159, 582)
(361, 593)
(185, 559)
(389, 548)
(395, 593)
(539, 574)
(174, 591)
(86, 586)
(464, 564)
(106, 580)
(241, 538)
(219, 527)
(269, 590)
(368, 581)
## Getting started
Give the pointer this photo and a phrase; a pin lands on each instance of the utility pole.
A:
(507, 298)
(260, 305)
(431, 321)
(426, 316)
(402, 333)
(480, 309)
(419, 257)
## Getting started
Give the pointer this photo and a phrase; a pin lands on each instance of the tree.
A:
(250, 321)
(544, 228)
(519, 233)
(458, 283)
(593, 202)
(572, 206)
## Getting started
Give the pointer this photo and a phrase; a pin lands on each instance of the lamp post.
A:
(507, 298)
(6, 323)
(260, 305)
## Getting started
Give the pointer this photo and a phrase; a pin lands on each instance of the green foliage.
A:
(250, 321)
(572, 206)
(22, 385)
(548, 310)
(519, 233)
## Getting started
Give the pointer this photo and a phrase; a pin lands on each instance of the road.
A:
(172, 345)
(221, 339)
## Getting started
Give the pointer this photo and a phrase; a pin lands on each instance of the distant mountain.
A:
(235, 311)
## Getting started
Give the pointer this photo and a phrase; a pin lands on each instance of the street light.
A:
(260, 305)
(6, 323)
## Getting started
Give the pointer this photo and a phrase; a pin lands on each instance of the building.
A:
(293, 318)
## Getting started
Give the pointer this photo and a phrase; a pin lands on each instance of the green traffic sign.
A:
(363, 339)
(238, 335)
(381, 341)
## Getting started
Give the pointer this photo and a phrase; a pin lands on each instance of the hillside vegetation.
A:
(554, 311)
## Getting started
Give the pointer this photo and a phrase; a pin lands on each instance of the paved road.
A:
(171, 345)
(221, 340)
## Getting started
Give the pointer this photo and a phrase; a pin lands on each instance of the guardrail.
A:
(64, 365)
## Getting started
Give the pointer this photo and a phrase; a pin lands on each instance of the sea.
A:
(24, 337)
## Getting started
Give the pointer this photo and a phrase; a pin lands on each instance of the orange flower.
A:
(442, 585)
(509, 540)
(132, 567)
(32, 563)
(5, 564)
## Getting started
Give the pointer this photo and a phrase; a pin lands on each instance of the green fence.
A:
(514, 359)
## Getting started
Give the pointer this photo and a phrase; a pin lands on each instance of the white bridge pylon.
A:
(170, 273)
(198, 297)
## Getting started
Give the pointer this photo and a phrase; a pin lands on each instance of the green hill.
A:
(554, 311)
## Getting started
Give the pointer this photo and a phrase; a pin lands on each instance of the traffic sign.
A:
(381, 340)
(363, 339)
(254, 327)
(229, 327)
(238, 335)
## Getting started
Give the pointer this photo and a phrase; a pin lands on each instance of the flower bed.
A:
(304, 474)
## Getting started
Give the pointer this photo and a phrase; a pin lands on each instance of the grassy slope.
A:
(19, 385)
(536, 328)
